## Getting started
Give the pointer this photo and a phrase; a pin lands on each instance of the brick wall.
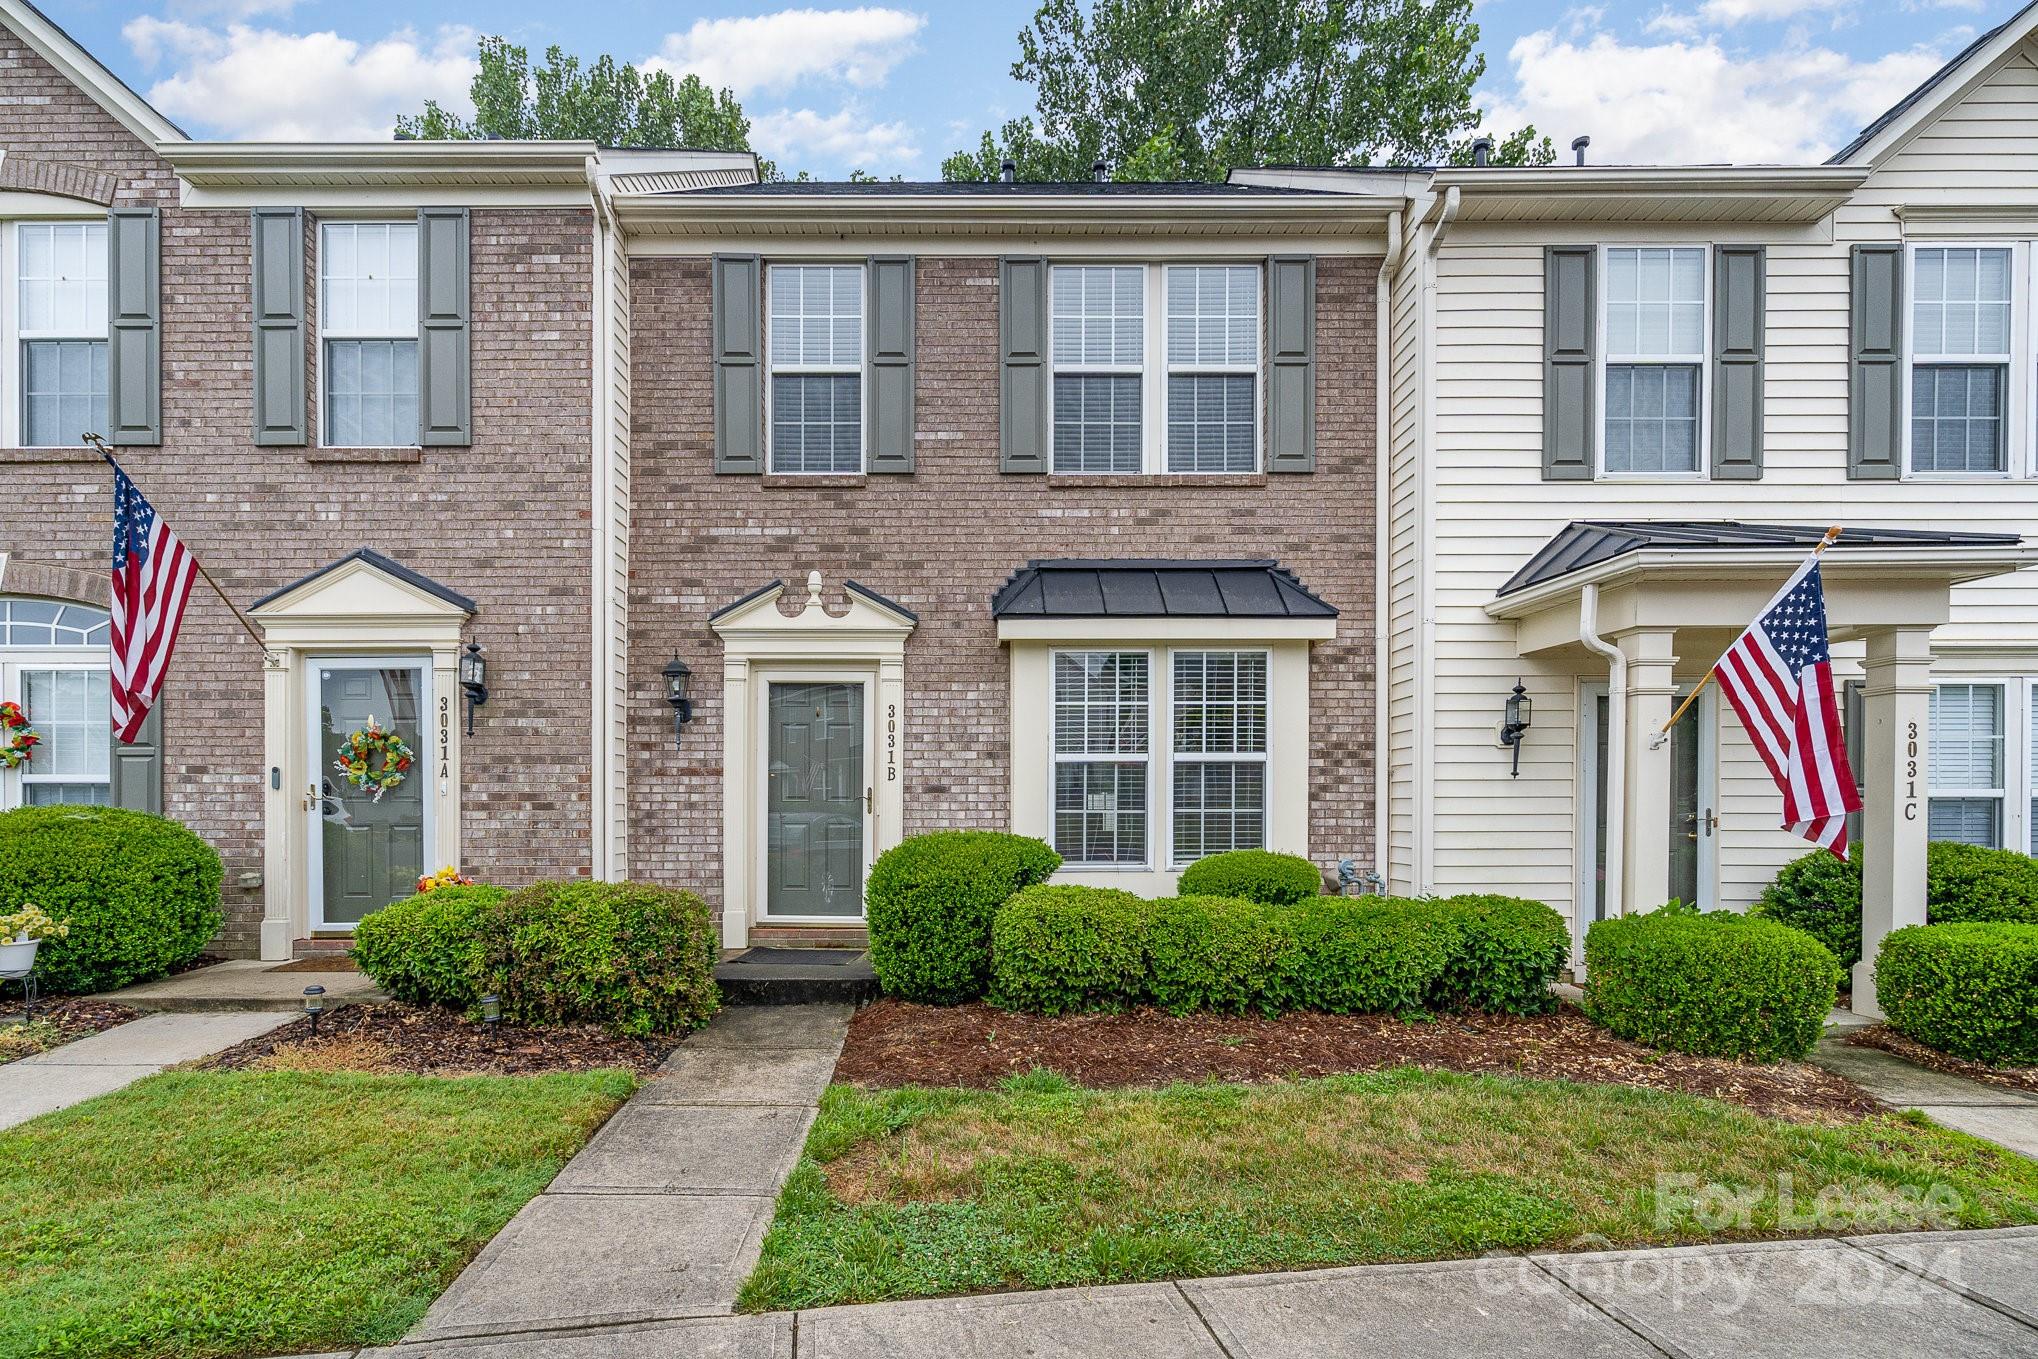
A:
(942, 540)
(505, 522)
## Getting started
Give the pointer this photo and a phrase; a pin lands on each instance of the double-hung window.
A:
(60, 316)
(1102, 756)
(1655, 331)
(368, 324)
(1220, 752)
(1968, 768)
(1960, 358)
(1156, 368)
(53, 662)
(815, 341)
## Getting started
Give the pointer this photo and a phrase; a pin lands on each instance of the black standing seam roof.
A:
(380, 563)
(1588, 542)
(1931, 82)
(1156, 588)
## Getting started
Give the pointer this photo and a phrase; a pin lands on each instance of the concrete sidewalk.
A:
(1951, 1295)
(2007, 1117)
(107, 1061)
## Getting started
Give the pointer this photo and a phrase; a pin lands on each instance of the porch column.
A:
(284, 809)
(1896, 743)
(739, 846)
(1652, 695)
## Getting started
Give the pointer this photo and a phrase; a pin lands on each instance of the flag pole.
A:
(239, 617)
(1832, 534)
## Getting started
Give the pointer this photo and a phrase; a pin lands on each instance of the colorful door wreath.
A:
(373, 759)
(17, 739)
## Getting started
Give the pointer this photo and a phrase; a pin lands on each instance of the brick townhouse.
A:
(1049, 507)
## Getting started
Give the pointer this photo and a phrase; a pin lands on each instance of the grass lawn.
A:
(230, 1213)
(916, 1192)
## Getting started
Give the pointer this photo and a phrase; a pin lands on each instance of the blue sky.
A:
(893, 87)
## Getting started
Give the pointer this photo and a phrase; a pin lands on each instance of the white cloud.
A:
(773, 52)
(1762, 11)
(848, 138)
(231, 9)
(248, 82)
(1691, 101)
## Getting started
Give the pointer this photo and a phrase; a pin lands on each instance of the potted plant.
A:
(21, 934)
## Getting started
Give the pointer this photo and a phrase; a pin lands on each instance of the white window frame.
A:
(1057, 758)
(2016, 370)
(325, 332)
(14, 660)
(861, 371)
(1702, 360)
(1264, 758)
(13, 372)
(2010, 828)
(1156, 365)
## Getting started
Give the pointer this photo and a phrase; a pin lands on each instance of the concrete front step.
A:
(244, 984)
(796, 976)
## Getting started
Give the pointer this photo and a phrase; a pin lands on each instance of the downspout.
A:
(602, 525)
(1383, 349)
(1616, 746)
(1422, 873)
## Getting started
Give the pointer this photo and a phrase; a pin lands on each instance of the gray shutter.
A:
(134, 352)
(445, 383)
(1570, 320)
(739, 390)
(137, 770)
(278, 235)
(1023, 377)
(1291, 363)
(890, 367)
(1739, 292)
(1876, 363)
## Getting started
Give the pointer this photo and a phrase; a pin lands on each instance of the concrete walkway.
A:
(662, 1214)
(2007, 1117)
(120, 1056)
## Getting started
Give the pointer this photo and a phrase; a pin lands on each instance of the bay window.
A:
(368, 326)
(815, 348)
(60, 321)
(1960, 358)
(53, 663)
(1655, 336)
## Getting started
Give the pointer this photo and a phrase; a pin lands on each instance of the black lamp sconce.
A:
(678, 676)
(1514, 725)
(473, 681)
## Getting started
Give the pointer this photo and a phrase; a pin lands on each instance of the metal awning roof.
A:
(1156, 588)
(1589, 542)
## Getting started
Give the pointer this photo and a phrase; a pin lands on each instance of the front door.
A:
(1694, 822)
(366, 850)
(816, 797)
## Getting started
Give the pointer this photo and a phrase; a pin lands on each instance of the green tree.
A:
(1192, 88)
(608, 102)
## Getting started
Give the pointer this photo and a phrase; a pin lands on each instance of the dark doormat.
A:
(799, 957)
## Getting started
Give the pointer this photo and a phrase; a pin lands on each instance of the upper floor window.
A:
(368, 329)
(1655, 341)
(1116, 410)
(1960, 358)
(60, 322)
(53, 662)
(814, 343)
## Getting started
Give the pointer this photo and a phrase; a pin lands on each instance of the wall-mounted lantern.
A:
(473, 681)
(1514, 725)
(678, 676)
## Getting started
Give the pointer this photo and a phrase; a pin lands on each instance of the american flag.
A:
(152, 576)
(1779, 677)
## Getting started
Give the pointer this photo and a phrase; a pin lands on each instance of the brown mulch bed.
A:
(892, 1043)
(1911, 1050)
(74, 1017)
(318, 962)
(419, 1040)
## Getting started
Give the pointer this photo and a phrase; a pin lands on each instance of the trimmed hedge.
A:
(141, 892)
(1822, 896)
(929, 902)
(426, 949)
(1253, 875)
(1968, 988)
(1718, 985)
(635, 957)
(1061, 948)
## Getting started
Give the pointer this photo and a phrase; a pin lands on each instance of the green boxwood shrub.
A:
(630, 955)
(141, 892)
(929, 903)
(1506, 953)
(1969, 988)
(1253, 875)
(1359, 955)
(1822, 896)
(426, 949)
(1214, 953)
(1060, 948)
(1719, 984)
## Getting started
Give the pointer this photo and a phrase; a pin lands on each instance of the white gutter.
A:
(1383, 345)
(1616, 750)
(1445, 213)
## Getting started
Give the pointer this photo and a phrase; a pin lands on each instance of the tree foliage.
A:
(1191, 88)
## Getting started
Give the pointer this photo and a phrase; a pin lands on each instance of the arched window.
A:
(53, 663)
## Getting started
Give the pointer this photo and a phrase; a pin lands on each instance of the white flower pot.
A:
(18, 956)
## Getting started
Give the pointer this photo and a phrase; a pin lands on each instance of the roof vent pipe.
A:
(1482, 152)
(1099, 172)
(1008, 171)
(1578, 145)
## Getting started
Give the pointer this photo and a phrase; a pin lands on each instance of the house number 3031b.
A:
(891, 743)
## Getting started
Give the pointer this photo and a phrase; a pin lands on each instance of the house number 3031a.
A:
(891, 743)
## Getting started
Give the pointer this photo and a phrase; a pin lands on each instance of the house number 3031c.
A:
(891, 743)
(1911, 772)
